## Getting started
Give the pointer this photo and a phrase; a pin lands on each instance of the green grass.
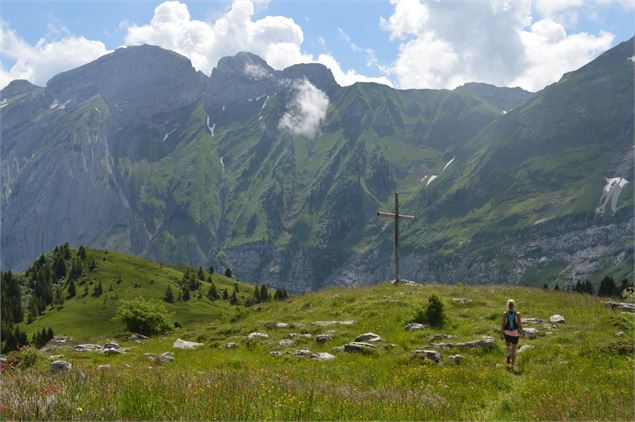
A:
(580, 371)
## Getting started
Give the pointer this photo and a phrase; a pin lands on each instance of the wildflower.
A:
(79, 410)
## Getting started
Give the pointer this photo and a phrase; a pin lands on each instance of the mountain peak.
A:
(316, 73)
(245, 65)
(18, 87)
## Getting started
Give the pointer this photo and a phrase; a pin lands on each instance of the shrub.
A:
(22, 358)
(144, 317)
(431, 314)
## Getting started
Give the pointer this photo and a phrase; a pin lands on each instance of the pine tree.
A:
(185, 296)
(71, 289)
(92, 264)
(229, 273)
(210, 269)
(60, 268)
(607, 287)
(58, 298)
(169, 295)
(66, 249)
(82, 253)
(264, 294)
(76, 267)
(212, 293)
(201, 274)
(234, 298)
(556, 287)
(98, 290)
(225, 295)
(546, 286)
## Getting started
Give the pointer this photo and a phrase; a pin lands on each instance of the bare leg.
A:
(508, 351)
(513, 353)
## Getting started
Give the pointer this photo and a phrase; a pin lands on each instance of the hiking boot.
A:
(509, 359)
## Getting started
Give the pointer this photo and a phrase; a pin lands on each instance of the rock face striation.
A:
(139, 152)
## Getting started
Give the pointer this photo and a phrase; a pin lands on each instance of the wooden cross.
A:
(396, 216)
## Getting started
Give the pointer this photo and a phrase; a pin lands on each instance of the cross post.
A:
(396, 216)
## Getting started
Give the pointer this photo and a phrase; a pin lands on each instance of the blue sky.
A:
(404, 43)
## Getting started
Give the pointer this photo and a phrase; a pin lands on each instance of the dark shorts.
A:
(511, 339)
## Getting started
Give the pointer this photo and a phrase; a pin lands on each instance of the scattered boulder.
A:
(338, 348)
(530, 332)
(485, 342)
(103, 367)
(137, 337)
(323, 338)
(293, 335)
(188, 345)
(286, 343)
(60, 366)
(60, 340)
(525, 347)
(113, 351)
(456, 358)
(431, 355)
(87, 348)
(256, 335)
(439, 337)
(51, 358)
(404, 282)
(323, 356)
(327, 323)
(368, 337)
(533, 321)
(303, 352)
(462, 300)
(231, 345)
(359, 347)
(414, 326)
(549, 326)
(282, 325)
(166, 357)
(111, 345)
(556, 319)
(620, 306)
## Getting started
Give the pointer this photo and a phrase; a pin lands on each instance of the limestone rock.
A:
(137, 337)
(456, 358)
(323, 356)
(60, 340)
(285, 343)
(110, 351)
(111, 345)
(431, 355)
(323, 338)
(231, 345)
(166, 357)
(619, 334)
(303, 352)
(620, 306)
(282, 325)
(88, 348)
(439, 337)
(358, 346)
(462, 300)
(530, 332)
(414, 326)
(256, 335)
(103, 367)
(183, 344)
(294, 335)
(327, 323)
(533, 321)
(556, 319)
(368, 337)
(60, 366)
(525, 347)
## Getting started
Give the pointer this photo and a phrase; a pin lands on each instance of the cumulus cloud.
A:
(306, 110)
(498, 43)
(277, 39)
(57, 52)
(350, 76)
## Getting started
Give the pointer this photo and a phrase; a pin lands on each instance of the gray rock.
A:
(485, 342)
(530, 332)
(620, 306)
(256, 335)
(439, 337)
(549, 326)
(359, 347)
(456, 358)
(303, 352)
(414, 326)
(338, 348)
(294, 335)
(323, 338)
(277, 353)
(323, 356)
(431, 355)
(368, 337)
(111, 345)
(113, 351)
(60, 366)
(60, 341)
(533, 321)
(137, 337)
(462, 300)
(87, 348)
(286, 343)
(556, 319)
(103, 367)
(166, 357)
(282, 325)
(187, 345)
(525, 347)
(231, 345)
(327, 323)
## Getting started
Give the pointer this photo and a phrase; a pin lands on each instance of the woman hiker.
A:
(511, 329)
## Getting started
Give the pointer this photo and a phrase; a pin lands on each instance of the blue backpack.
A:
(511, 321)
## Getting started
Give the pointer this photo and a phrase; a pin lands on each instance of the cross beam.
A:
(396, 216)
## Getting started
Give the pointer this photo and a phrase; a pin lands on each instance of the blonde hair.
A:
(510, 304)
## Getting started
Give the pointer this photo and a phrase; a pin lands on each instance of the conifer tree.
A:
(169, 295)
(82, 253)
(607, 287)
(210, 269)
(234, 298)
(71, 289)
(60, 268)
(225, 295)
(201, 274)
(185, 296)
(229, 273)
(98, 290)
(212, 293)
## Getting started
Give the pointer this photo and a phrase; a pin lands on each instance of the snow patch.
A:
(434, 176)
(504, 112)
(211, 128)
(265, 103)
(54, 104)
(611, 193)
(168, 134)
(632, 58)
(448, 163)
(97, 110)
(223, 108)
(222, 163)
(3, 103)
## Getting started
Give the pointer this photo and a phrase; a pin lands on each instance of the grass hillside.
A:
(125, 277)
(581, 369)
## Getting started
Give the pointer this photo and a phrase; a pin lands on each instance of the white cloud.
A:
(350, 76)
(550, 52)
(497, 43)
(548, 8)
(306, 111)
(49, 56)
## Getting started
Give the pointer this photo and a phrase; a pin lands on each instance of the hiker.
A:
(511, 329)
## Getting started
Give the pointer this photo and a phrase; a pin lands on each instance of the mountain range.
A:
(279, 174)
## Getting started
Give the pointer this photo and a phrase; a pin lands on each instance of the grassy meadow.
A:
(579, 370)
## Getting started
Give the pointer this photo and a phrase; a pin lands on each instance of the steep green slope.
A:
(577, 370)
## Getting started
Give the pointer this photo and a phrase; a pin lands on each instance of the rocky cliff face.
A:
(278, 174)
